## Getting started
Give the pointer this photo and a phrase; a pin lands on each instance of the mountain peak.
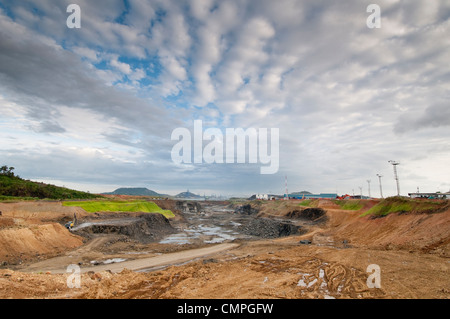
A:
(134, 191)
(187, 194)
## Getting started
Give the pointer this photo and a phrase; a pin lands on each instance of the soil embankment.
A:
(18, 245)
(427, 230)
(34, 230)
(429, 233)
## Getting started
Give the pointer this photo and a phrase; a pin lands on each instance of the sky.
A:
(94, 108)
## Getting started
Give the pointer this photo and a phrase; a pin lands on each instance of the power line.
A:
(286, 197)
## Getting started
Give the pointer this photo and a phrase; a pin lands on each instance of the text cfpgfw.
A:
(229, 149)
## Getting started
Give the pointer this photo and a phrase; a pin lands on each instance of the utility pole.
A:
(381, 190)
(286, 197)
(394, 164)
(360, 191)
(368, 182)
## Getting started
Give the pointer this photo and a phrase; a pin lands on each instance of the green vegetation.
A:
(4, 198)
(13, 187)
(349, 204)
(309, 203)
(7, 171)
(407, 205)
(120, 206)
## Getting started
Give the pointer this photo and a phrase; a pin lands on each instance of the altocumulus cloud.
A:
(345, 97)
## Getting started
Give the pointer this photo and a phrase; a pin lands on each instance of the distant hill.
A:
(134, 191)
(301, 193)
(187, 194)
(12, 187)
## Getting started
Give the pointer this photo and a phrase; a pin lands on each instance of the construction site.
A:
(290, 249)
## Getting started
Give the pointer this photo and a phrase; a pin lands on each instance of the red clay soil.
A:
(30, 230)
(427, 232)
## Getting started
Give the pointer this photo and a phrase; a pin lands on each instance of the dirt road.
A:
(149, 263)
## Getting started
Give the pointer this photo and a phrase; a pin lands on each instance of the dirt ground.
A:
(411, 251)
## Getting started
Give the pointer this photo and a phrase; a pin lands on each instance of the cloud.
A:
(345, 97)
(434, 116)
(87, 53)
(49, 127)
(122, 67)
(58, 77)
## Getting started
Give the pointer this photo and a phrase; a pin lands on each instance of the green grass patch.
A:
(407, 205)
(309, 203)
(4, 198)
(120, 206)
(349, 204)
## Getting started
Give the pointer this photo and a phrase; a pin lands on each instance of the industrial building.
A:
(313, 196)
(430, 195)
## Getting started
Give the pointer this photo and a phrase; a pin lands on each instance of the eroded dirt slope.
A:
(426, 232)
(34, 230)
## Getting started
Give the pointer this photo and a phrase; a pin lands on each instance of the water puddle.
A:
(108, 261)
(209, 234)
(178, 239)
(121, 221)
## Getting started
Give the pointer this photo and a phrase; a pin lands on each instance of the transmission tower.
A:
(379, 179)
(368, 182)
(286, 197)
(394, 164)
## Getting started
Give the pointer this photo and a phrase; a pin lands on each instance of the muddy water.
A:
(122, 221)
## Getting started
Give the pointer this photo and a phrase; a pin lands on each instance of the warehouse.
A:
(312, 196)
(436, 195)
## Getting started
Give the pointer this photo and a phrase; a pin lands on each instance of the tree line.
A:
(7, 171)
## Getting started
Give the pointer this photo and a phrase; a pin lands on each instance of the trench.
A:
(144, 228)
(203, 223)
(217, 223)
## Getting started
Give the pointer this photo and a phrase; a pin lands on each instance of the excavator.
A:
(346, 196)
(69, 225)
(72, 223)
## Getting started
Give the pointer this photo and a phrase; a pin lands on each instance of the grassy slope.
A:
(120, 206)
(12, 187)
(407, 205)
(350, 204)
(309, 202)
